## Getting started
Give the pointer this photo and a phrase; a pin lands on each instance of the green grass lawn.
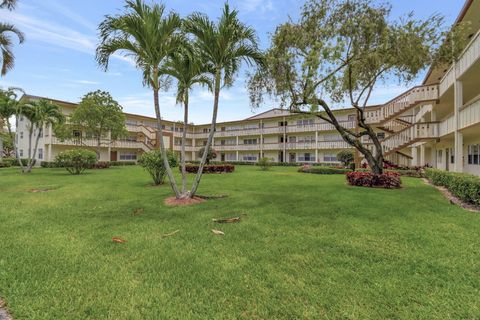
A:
(309, 247)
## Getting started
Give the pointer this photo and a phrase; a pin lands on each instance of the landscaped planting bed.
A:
(210, 168)
(387, 180)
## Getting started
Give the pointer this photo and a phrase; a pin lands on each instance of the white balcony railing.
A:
(447, 126)
(467, 58)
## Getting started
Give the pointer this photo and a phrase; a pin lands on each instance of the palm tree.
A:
(10, 106)
(41, 113)
(7, 58)
(222, 48)
(184, 65)
(148, 36)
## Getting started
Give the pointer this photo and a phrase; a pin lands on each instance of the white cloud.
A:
(55, 34)
(257, 5)
(85, 82)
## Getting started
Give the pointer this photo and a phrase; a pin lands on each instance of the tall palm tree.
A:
(148, 36)
(222, 46)
(6, 30)
(41, 114)
(185, 66)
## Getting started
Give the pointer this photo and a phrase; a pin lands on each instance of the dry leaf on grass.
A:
(118, 240)
(227, 220)
(218, 232)
(169, 234)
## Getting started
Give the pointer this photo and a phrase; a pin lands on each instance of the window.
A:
(381, 135)
(292, 139)
(332, 137)
(77, 133)
(330, 157)
(20, 152)
(131, 122)
(306, 139)
(40, 153)
(249, 141)
(230, 156)
(452, 155)
(206, 130)
(21, 134)
(128, 156)
(351, 117)
(474, 154)
(305, 122)
(249, 157)
(40, 133)
(306, 157)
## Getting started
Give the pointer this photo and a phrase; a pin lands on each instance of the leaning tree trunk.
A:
(168, 169)
(198, 177)
(182, 152)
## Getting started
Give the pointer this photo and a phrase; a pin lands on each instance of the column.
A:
(284, 140)
(316, 146)
(414, 156)
(434, 155)
(193, 146)
(422, 155)
(49, 152)
(458, 145)
(236, 152)
(261, 139)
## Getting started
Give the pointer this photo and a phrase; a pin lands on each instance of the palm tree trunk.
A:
(31, 160)
(198, 177)
(168, 169)
(182, 152)
(15, 149)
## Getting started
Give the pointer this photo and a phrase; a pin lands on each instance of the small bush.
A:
(346, 157)
(464, 186)
(323, 170)
(264, 163)
(4, 164)
(100, 165)
(14, 162)
(48, 164)
(409, 173)
(211, 168)
(387, 180)
(76, 161)
(152, 162)
(212, 154)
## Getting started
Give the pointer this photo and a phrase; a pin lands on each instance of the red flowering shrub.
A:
(212, 168)
(387, 180)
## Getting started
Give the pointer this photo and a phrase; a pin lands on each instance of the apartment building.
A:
(436, 123)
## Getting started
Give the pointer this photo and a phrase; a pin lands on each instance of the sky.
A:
(57, 58)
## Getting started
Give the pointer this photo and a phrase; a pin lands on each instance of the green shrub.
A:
(323, 170)
(212, 154)
(76, 161)
(464, 186)
(409, 173)
(14, 162)
(152, 162)
(48, 164)
(4, 164)
(346, 157)
(264, 163)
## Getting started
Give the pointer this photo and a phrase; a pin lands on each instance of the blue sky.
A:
(57, 59)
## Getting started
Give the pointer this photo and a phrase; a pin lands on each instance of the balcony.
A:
(467, 58)
(105, 143)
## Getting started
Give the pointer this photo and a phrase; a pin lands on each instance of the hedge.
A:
(464, 186)
(277, 164)
(387, 180)
(14, 162)
(5, 164)
(323, 170)
(211, 168)
(122, 163)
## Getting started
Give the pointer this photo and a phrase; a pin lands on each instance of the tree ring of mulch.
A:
(453, 199)
(4, 315)
(172, 201)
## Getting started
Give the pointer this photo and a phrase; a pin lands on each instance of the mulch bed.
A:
(453, 199)
(4, 315)
(172, 201)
